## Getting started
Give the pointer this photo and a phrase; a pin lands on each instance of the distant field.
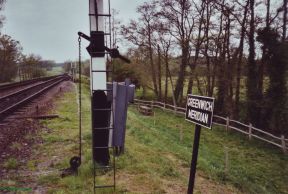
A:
(55, 71)
(150, 94)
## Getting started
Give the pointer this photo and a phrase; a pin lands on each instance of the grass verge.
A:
(156, 160)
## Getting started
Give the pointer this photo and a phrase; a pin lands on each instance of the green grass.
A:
(254, 167)
(16, 146)
(55, 71)
(62, 142)
(155, 159)
(202, 80)
(11, 163)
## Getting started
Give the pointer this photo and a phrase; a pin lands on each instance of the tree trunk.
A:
(239, 63)
(207, 27)
(229, 71)
(197, 49)
(172, 85)
(181, 74)
(263, 62)
(152, 63)
(166, 77)
(284, 20)
(190, 83)
(221, 70)
(252, 88)
(159, 74)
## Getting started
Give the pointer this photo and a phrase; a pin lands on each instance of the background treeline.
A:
(69, 66)
(13, 63)
(234, 50)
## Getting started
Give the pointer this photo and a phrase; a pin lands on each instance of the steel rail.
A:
(11, 107)
(21, 91)
(5, 87)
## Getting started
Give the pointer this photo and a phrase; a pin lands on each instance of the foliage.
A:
(1, 9)
(123, 71)
(275, 103)
(70, 66)
(140, 32)
(10, 50)
(216, 50)
(47, 64)
(86, 68)
(67, 66)
(12, 61)
(32, 66)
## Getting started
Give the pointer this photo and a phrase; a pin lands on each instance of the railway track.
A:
(12, 101)
(12, 87)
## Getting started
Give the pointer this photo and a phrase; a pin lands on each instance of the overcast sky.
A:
(49, 27)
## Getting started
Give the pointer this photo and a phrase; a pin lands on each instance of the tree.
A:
(115, 28)
(123, 71)
(239, 55)
(252, 86)
(198, 42)
(10, 51)
(140, 33)
(285, 3)
(225, 69)
(1, 9)
(67, 66)
(276, 103)
(180, 17)
(210, 37)
(86, 68)
(140, 66)
(31, 67)
(165, 43)
(47, 64)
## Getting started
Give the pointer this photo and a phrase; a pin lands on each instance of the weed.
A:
(49, 179)
(16, 146)
(11, 163)
(31, 165)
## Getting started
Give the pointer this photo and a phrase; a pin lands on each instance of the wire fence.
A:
(229, 124)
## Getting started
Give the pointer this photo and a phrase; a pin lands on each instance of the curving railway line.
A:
(16, 95)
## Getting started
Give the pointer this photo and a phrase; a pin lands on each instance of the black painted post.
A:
(194, 159)
(100, 123)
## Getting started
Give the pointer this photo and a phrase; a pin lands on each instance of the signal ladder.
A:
(98, 169)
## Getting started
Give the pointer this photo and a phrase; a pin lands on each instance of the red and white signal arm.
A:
(199, 110)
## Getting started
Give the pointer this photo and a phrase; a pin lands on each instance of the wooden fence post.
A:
(250, 131)
(283, 144)
(154, 118)
(164, 105)
(227, 123)
(226, 160)
(152, 104)
(181, 133)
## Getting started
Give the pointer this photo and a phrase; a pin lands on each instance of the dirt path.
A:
(19, 139)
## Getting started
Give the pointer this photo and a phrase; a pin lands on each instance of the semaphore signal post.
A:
(109, 101)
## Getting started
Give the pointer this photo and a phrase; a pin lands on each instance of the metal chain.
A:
(80, 102)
